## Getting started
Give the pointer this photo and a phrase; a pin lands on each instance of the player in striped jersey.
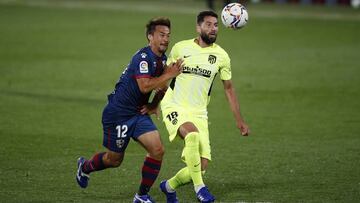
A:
(127, 113)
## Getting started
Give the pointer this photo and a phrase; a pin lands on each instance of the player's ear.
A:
(150, 37)
(198, 30)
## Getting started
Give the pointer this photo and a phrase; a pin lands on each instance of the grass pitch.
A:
(296, 70)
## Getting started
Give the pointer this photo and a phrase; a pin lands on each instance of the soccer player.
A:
(127, 113)
(184, 106)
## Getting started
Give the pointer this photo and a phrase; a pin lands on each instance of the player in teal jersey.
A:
(184, 106)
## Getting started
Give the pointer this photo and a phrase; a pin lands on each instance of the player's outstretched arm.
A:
(148, 84)
(235, 107)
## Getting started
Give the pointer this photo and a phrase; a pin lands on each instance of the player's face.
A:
(208, 29)
(159, 40)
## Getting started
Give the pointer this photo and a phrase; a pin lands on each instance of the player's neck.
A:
(201, 43)
(156, 51)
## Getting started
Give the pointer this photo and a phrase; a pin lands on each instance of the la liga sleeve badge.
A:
(144, 67)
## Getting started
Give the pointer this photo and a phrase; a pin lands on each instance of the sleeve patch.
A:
(144, 67)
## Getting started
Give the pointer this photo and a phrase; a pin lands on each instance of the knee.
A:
(157, 152)
(186, 129)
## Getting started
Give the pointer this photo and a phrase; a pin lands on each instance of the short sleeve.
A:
(142, 65)
(225, 68)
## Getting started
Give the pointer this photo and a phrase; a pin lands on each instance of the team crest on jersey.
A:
(120, 143)
(144, 67)
(143, 55)
(212, 59)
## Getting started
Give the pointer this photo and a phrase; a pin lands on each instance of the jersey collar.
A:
(154, 55)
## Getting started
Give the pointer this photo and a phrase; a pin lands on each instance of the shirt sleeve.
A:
(142, 66)
(225, 68)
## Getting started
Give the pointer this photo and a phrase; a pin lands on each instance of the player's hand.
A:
(174, 69)
(150, 109)
(244, 128)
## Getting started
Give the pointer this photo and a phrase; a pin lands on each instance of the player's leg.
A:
(149, 138)
(115, 144)
(151, 142)
(98, 162)
(183, 177)
(192, 171)
(103, 160)
(189, 132)
(203, 193)
(113, 159)
(177, 123)
(203, 155)
(155, 150)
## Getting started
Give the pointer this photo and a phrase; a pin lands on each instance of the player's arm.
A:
(235, 107)
(159, 95)
(148, 84)
(152, 108)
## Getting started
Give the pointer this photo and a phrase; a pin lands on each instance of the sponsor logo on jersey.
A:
(212, 59)
(144, 67)
(197, 71)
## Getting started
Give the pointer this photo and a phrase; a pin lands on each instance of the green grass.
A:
(296, 70)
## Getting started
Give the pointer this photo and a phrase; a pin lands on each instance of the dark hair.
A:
(150, 26)
(203, 14)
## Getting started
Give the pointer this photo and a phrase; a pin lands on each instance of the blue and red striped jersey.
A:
(127, 99)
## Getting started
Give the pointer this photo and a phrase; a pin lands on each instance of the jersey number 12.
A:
(122, 130)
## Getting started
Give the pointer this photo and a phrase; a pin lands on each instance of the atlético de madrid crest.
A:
(212, 59)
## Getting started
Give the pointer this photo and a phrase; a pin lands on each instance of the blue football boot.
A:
(143, 199)
(81, 177)
(170, 196)
(204, 196)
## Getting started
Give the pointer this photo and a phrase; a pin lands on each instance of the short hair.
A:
(151, 25)
(203, 14)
